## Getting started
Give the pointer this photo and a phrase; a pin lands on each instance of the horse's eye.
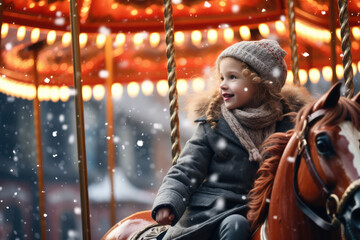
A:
(324, 145)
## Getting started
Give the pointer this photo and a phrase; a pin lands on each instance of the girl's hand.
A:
(164, 216)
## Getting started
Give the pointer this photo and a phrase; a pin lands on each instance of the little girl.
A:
(204, 195)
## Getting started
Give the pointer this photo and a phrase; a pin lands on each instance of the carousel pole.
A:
(293, 44)
(110, 126)
(173, 94)
(37, 122)
(346, 48)
(333, 41)
(80, 130)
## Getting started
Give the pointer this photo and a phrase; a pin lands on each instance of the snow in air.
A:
(235, 8)
(175, 2)
(276, 72)
(60, 21)
(291, 159)
(103, 74)
(305, 54)
(221, 144)
(104, 30)
(140, 143)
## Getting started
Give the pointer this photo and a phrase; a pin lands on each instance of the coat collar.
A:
(224, 130)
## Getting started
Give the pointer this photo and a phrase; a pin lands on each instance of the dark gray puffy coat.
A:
(210, 181)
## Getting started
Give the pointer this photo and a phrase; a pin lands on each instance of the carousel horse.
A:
(308, 185)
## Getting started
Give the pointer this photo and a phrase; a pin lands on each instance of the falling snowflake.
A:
(214, 177)
(291, 159)
(276, 72)
(104, 30)
(103, 74)
(221, 144)
(235, 8)
(60, 21)
(305, 54)
(140, 143)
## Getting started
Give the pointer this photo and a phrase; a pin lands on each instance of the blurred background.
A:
(125, 94)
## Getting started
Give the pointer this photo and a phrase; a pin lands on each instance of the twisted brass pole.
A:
(171, 68)
(293, 44)
(346, 48)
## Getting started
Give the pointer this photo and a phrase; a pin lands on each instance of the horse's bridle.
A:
(303, 151)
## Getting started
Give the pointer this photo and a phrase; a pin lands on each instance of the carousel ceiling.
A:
(136, 29)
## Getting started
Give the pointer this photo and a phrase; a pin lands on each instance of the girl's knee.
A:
(236, 220)
(235, 225)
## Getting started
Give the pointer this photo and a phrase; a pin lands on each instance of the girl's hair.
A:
(266, 94)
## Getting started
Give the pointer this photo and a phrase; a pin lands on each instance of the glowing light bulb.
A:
(245, 33)
(51, 37)
(198, 84)
(302, 76)
(179, 38)
(314, 75)
(162, 87)
(154, 39)
(133, 89)
(181, 86)
(100, 40)
(228, 35)
(21, 33)
(86, 93)
(147, 87)
(196, 37)
(120, 39)
(83, 37)
(4, 30)
(66, 39)
(116, 90)
(264, 30)
(212, 36)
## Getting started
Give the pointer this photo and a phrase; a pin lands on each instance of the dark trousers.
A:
(233, 227)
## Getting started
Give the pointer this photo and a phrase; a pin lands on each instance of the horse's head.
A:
(327, 165)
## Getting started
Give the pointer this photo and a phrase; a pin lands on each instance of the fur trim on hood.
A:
(295, 96)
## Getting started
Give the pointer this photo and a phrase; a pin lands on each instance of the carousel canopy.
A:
(136, 30)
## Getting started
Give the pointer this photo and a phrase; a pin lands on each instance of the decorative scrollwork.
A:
(149, 232)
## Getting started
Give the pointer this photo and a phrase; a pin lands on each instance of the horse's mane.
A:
(274, 146)
(259, 196)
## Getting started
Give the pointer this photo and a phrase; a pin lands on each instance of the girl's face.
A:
(236, 90)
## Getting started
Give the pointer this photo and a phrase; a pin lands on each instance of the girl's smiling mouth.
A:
(227, 96)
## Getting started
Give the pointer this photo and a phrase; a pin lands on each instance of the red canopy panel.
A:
(139, 15)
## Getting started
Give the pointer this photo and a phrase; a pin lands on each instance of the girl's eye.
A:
(222, 78)
(233, 77)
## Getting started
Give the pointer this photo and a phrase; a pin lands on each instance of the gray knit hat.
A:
(266, 57)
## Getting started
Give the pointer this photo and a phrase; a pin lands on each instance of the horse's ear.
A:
(329, 99)
(356, 98)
